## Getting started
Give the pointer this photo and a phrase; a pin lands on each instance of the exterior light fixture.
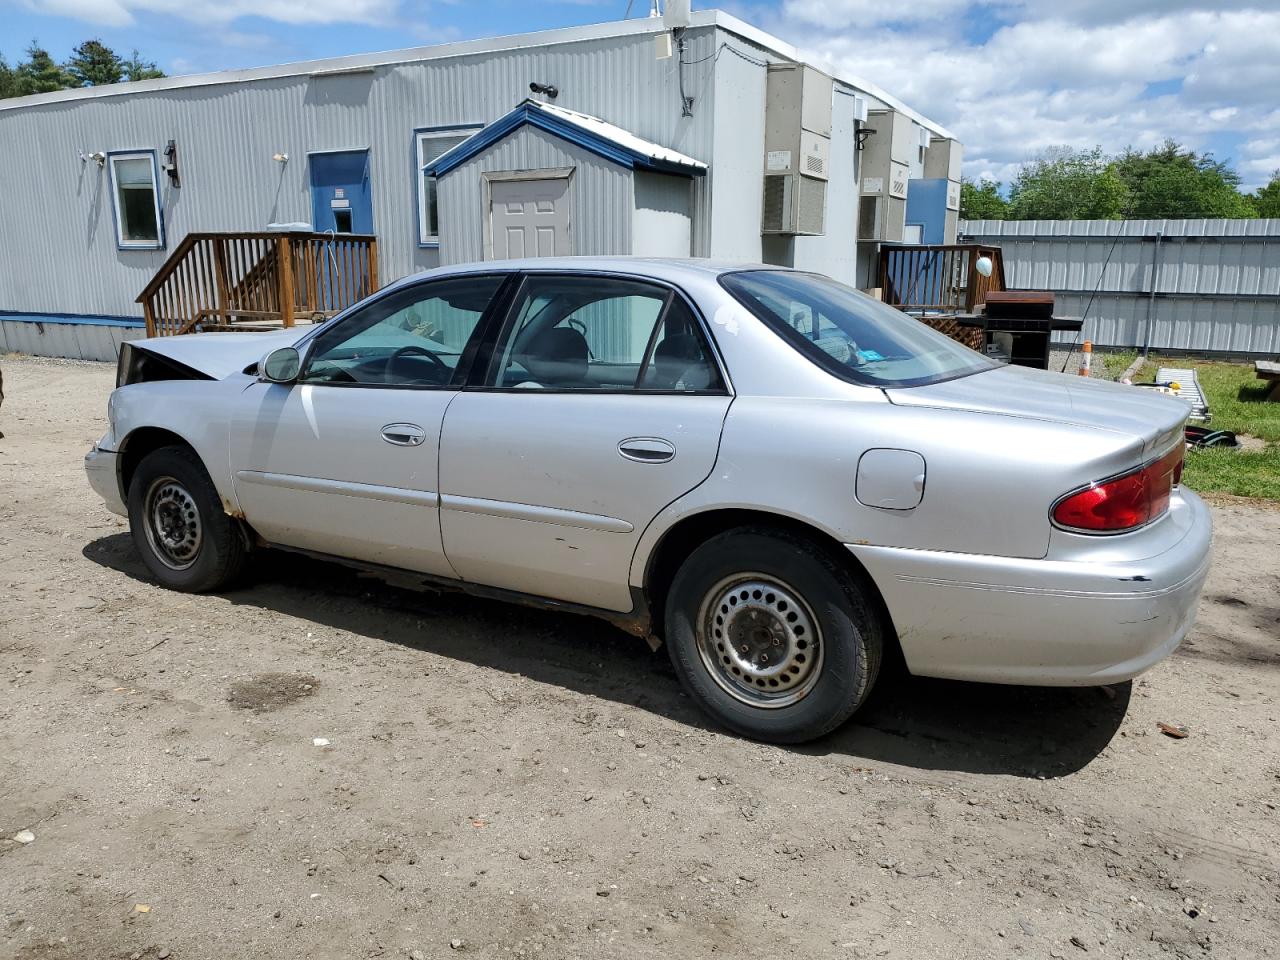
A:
(862, 135)
(546, 89)
(170, 165)
(97, 157)
(280, 157)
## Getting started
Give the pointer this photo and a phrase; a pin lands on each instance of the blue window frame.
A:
(429, 143)
(135, 200)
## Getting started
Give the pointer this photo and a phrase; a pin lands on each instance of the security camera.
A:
(546, 89)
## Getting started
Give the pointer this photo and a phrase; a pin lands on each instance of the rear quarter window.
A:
(849, 334)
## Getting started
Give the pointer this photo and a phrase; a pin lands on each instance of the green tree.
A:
(135, 68)
(94, 64)
(1267, 199)
(8, 80)
(1172, 181)
(982, 200)
(39, 73)
(1066, 184)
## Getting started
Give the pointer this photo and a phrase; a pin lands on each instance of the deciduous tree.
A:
(1066, 184)
(982, 200)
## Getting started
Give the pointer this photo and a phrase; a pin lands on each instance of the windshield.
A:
(850, 334)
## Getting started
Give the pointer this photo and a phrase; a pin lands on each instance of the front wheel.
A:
(186, 539)
(774, 638)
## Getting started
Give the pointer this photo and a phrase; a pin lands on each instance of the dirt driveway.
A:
(322, 766)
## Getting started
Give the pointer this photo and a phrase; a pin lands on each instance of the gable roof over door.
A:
(591, 133)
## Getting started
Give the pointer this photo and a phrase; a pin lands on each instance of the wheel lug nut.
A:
(744, 648)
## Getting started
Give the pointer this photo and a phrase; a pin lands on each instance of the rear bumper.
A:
(1050, 622)
(100, 466)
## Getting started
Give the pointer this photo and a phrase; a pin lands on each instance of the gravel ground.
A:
(318, 765)
(1072, 360)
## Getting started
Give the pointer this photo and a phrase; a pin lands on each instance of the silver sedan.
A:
(778, 477)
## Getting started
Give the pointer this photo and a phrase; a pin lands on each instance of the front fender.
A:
(197, 411)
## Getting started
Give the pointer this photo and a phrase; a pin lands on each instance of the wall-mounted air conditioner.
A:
(886, 170)
(797, 143)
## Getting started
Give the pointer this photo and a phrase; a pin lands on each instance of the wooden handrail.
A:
(215, 281)
(941, 278)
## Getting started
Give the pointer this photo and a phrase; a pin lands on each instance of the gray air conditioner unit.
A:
(797, 143)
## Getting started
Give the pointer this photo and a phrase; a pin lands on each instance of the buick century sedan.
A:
(772, 474)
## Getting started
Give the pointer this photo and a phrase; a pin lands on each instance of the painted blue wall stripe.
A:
(72, 318)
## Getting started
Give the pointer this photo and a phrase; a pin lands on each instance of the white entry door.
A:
(529, 218)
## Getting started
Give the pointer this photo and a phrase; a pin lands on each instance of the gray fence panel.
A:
(1217, 282)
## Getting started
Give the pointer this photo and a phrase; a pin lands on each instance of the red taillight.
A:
(1123, 502)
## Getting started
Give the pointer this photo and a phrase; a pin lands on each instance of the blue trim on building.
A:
(529, 113)
(115, 200)
(72, 318)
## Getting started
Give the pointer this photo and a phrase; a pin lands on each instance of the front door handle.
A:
(404, 434)
(647, 449)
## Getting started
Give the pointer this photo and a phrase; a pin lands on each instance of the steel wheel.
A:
(759, 640)
(172, 522)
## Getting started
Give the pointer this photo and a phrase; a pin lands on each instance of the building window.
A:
(137, 201)
(429, 144)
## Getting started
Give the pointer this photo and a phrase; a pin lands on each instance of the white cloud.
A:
(116, 13)
(852, 14)
(1071, 72)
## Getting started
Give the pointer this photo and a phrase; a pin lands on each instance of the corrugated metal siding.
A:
(660, 220)
(1217, 281)
(58, 233)
(74, 340)
(600, 195)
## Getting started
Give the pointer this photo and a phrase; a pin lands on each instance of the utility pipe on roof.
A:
(1151, 301)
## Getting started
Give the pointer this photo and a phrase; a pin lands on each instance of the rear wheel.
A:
(185, 538)
(775, 638)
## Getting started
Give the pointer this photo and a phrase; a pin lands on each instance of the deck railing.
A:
(246, 281)
(938, 278)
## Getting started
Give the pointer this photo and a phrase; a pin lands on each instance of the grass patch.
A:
(1237, 403)
(1118, 363)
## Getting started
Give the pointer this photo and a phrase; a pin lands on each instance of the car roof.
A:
(672, 269)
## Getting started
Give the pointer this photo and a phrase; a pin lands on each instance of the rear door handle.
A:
(647, 449)
(404, 434)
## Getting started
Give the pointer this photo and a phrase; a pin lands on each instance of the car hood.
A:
(218, 355)
(1043, 395)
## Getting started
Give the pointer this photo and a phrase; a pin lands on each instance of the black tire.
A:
(832, 676)
(210, 559)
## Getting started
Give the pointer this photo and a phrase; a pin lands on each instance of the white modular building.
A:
(708, 138)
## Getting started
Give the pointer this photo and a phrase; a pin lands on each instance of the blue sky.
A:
(1009, 77)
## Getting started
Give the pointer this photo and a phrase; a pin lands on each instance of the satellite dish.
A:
(675, 14)
(983, 266)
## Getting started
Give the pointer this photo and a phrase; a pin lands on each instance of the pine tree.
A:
(135, 68)
(94, 64)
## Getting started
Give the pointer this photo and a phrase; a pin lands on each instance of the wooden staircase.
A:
(258, 281)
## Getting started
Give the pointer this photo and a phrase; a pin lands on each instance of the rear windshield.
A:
(850, 334)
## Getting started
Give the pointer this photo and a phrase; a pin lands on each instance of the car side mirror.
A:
(281, 365)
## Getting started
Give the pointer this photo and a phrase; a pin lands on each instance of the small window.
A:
(600, 333)
(411, 338)
(428, 145)
(137, 201)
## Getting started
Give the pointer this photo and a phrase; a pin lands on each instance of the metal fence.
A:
(1201, 286)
